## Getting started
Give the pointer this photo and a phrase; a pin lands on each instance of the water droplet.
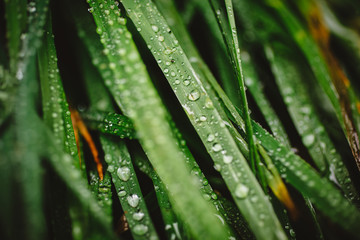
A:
(99, 30)
(211, 137)
(217, 167)
(186, 82)
(140, 229)
(206, 197)
(241, 191)
(111, 168)
(138, 216)
(288, 99)
(155, 28)
(194, 95)
(202, 118)
(161, 38)
(227, 159)
(19, 74)
(133, 200)
(112, 65)
(167, 52)
(122, 193)
(124, 173)
(309, 140)
(31, 8)
(205, 182)
(292, 233)
(121, 20)
(216, 147)
(214, 196)
(209, 104)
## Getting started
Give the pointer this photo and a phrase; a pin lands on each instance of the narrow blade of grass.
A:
(25, 155)
(320, 191)
(318, 142)
(62, 164)
(174, 227)
(320, 70)
(56, 112)
(128, 189)
(120, 169)
(16, 20)
(232, 43)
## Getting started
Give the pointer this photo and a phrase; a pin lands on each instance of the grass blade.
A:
(232, 43)
(171, 220)
(120, 166)
(320, 70)
(319, 144)
(24, 154)
(56, 112)
(128, 189)
(16, 21)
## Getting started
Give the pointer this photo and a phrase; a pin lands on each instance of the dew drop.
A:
(31, 8)
(194, 95)
(205, 182)
(214, 196)
(209, 104)
(309, 139)
(155, 28)
(161, 38)
(211, 137)
(167, 52)
(227, 159)
(207, 197)
(133, 200)
(111, 168)
(186, 82)
(202, 118)
(121, 20)
(99, 30)
(138, 216)
(19, 75)
(124, 173)
(140, 229)
(122, 193)
(217, 167)
(241, 191)
(216, 147)
(292, 233)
